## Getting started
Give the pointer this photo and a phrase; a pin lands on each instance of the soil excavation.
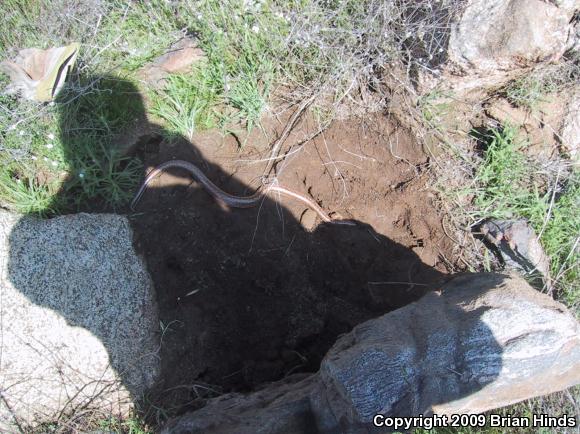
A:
(250, 296)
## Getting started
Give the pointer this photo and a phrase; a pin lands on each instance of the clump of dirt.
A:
(251, 296)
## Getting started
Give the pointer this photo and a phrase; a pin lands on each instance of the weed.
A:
(133, 425)
(133, 33)
(537, 87)
(509, 185)
(433, 106)
(188, 102)
(26, 194)
(249, 99)
(22, 16)
(240, 41)
(63, 157)
(528, 92)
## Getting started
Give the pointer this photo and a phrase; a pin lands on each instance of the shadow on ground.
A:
(247, 297)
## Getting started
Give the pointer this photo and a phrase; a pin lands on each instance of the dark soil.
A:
(251, 296)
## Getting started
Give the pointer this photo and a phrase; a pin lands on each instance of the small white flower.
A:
(81, 175)
(54, 163)
(45, 159)
(51, 136)
(33, 157)
(255, 29)
(49, 146)
(199, 16)
(20, 133)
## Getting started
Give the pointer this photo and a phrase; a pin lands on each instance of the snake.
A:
(229, 199)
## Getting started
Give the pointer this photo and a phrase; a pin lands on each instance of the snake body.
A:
(229, 199)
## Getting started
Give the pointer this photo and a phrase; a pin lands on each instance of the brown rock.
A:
(177, 60)
(537, 128)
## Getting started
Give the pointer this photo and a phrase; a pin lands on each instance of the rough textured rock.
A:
(550, 130)
(79, 320)
(483, 341)
(570, 131)
(518, 245)
(493, 41)
(497, 35)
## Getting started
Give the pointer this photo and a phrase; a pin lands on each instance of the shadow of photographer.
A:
(244, 296)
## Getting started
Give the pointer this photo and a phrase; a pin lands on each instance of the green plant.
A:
(62, 157)
(132, 425)
(528, 92)
(541, 83)
(188, 102)
(509, 185)
(26, 194)
(433, 106)
(233, 84)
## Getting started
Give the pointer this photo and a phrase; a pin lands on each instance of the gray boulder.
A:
(483, 341)
(78, 318)
(494, 41)
(497, 35)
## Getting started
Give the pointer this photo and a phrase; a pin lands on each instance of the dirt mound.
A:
(250, 296)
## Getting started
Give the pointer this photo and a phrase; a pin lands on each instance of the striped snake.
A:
(229, 199)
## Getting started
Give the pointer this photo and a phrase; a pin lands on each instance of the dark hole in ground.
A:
(249, 296)
(483, 136)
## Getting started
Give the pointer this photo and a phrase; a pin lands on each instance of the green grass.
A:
(542, 84)
(62, 157)
(433, 106)
(528, 92)
(22, 15)
(133, 425)
(187, 108)
(508, 185)
(232, 86)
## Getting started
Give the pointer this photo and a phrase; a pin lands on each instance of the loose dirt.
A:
(251, 296)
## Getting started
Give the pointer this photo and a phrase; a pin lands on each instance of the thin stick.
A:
(549, 214)
(274, 155)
